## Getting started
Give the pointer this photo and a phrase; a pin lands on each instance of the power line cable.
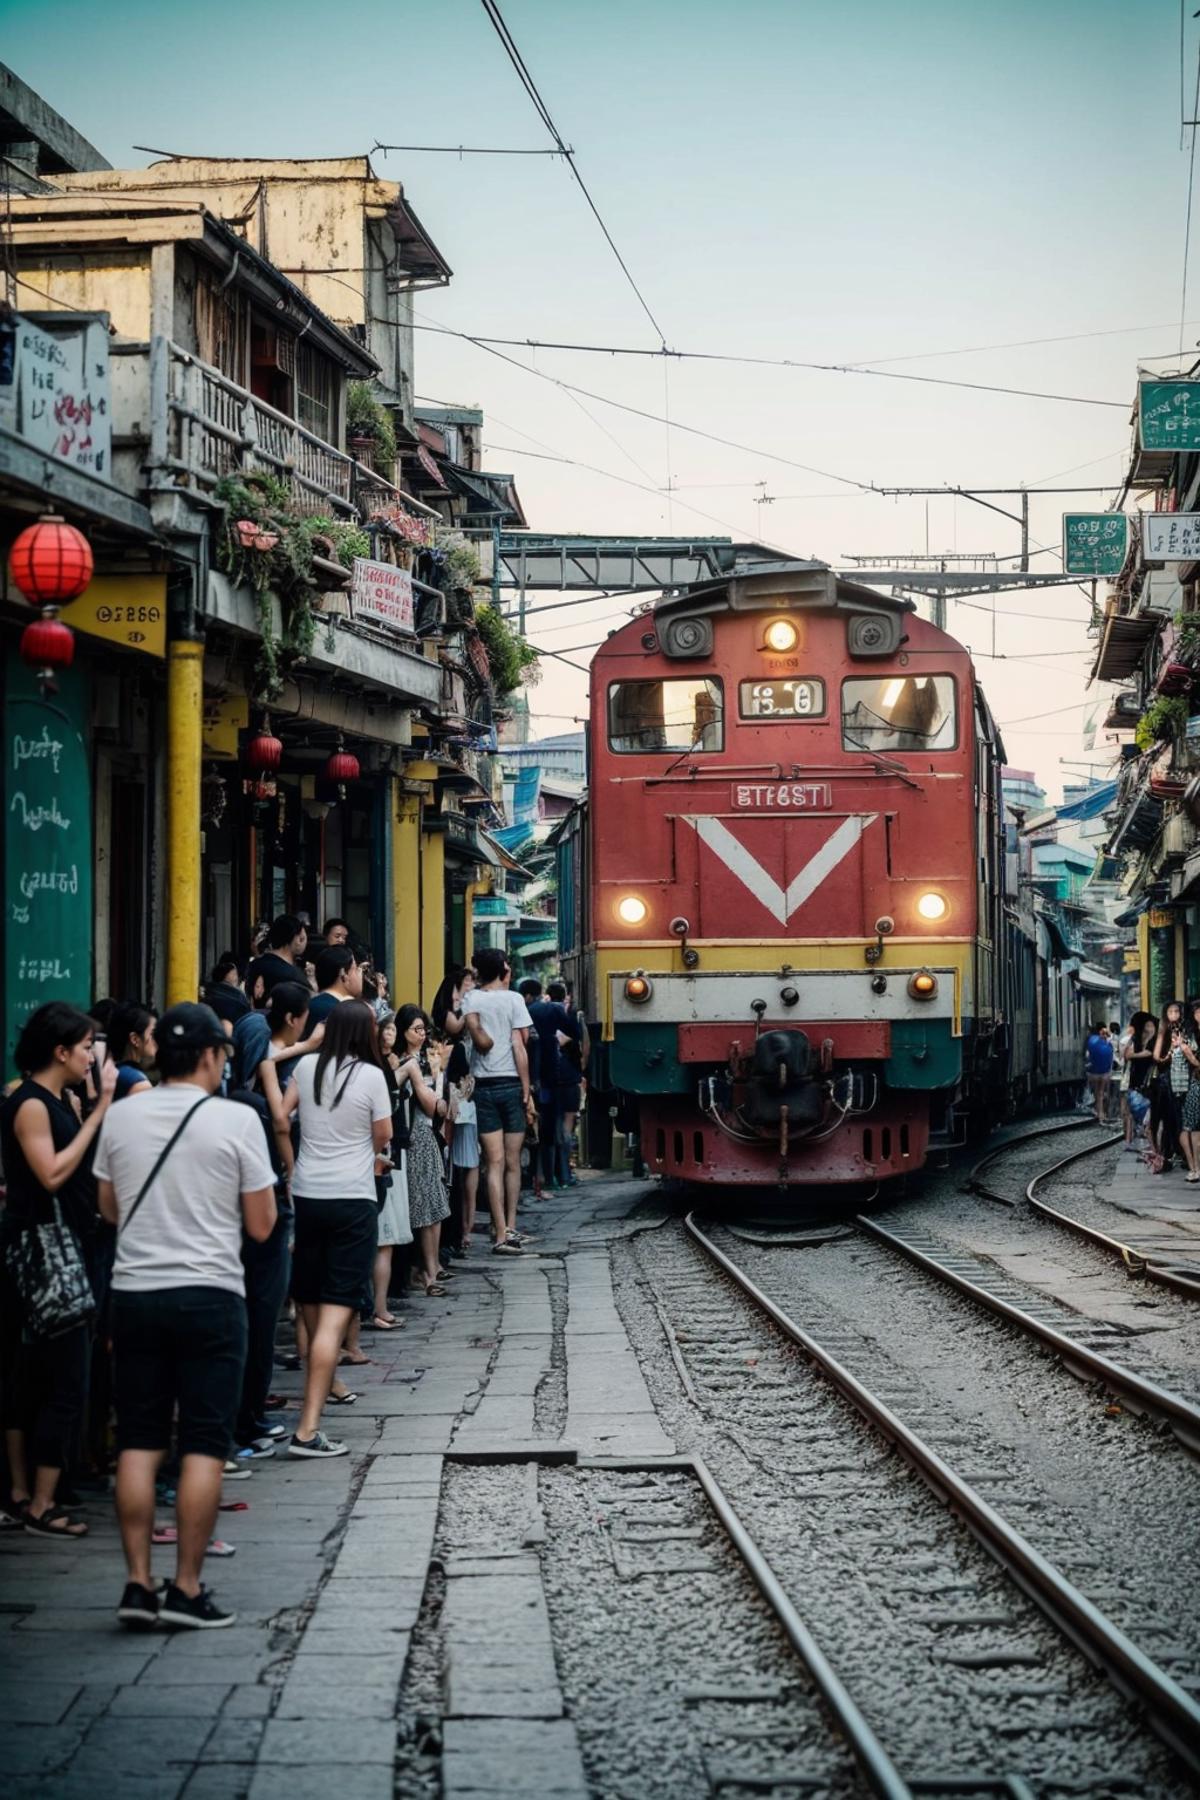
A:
(527, 82)
(771, 362)
(1187, 230)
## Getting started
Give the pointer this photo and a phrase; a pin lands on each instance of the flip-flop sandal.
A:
(352, 1362)
(47, 1526)
(435, 1291)
(233, 1506)
(12, 1514)
(169, 1534)
(385, 1325)
(342, 1399)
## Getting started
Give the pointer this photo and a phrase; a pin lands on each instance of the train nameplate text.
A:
(781, 796)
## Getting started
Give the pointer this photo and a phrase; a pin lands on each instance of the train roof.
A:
(751, 585)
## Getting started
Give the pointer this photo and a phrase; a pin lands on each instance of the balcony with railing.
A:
(183, 426)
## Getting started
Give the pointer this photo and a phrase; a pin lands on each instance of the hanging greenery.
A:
(266, 545)
(459, 564)
(512, 661)
(1164, 718)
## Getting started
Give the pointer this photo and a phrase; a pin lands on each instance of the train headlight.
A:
(631, 909)
(781, 636)
(932, 907)
(923, 985)
(638, 988)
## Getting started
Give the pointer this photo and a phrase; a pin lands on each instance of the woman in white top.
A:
(345, 1127)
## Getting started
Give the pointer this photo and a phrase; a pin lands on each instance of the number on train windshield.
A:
(781, 700)
(649, 716)
(899, 712)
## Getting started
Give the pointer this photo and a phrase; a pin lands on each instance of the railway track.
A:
(1149, 1252)
(977, 1651)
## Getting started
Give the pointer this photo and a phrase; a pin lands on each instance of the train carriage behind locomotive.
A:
(785, 894)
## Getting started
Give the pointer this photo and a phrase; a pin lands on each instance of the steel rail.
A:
(878, 1769)
(973, 1182)
(1182, 1415)
(1136, 1262)
(1170, 1711)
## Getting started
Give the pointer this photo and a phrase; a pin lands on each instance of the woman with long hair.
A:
(1173, 1078)
(1189, 1133)
(446, 1011)
(1136, 1051)
(392, 1191)
(427, 1203)
(345, 1116)
(131, 1046)
(46, 1152)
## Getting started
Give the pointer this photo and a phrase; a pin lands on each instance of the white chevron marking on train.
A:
(781, 903)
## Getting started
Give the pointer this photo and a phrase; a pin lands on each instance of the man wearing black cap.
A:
(180, 1178)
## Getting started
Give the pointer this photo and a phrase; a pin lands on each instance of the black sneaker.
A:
(317, 1445)
(263, 1429)
(199, 1614)
(139, 1607)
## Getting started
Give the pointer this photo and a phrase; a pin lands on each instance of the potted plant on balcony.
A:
(370, 434)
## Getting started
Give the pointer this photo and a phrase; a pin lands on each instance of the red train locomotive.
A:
(783, 895)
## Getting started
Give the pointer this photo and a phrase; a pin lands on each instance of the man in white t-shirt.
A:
(180, 1174)
(504, 1106)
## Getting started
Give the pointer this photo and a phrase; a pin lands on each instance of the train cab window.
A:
(899, 712)
(679, 714)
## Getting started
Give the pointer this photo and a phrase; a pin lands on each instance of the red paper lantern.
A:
(264, 752)
(47, 645)
(342, 767)
(51, 562)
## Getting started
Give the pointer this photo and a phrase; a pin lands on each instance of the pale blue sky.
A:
(803, 180)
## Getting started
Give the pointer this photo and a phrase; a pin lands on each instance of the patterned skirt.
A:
(427, 1202)
(1191, 1107)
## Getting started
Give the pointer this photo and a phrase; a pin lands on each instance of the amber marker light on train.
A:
(923, 985)
(781, 636)
(932, 908)
(631, 909)
(637, 988)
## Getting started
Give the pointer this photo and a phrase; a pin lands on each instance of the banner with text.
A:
(382, 594)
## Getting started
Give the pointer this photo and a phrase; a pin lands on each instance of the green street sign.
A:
(1095, 543)
(1169, 415)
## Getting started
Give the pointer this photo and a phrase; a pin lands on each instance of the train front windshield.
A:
(899, 712)
(678, 714)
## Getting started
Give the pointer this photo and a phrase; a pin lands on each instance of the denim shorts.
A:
(185, 1348)
(499, 1106)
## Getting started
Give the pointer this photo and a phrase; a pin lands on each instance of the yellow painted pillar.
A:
(406, 897)
(468, 943)
(433, 913)
(185, 725)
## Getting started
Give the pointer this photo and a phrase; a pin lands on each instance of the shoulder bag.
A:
(47, 1269)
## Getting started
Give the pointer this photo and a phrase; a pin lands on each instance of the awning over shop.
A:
(1123, 644)
(1095, 981)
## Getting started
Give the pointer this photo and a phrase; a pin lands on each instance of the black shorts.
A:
(179, 1347)
(336, 1241)
(568, 1099)
(498, 1105)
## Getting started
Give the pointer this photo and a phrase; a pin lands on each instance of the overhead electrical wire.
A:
(1187, 230)
(527, 82)
(769, 362)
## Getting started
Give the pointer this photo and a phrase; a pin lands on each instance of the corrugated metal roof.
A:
(1123, 644)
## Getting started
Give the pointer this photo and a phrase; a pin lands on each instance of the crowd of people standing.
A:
(1154, 1067)
(287, 1147)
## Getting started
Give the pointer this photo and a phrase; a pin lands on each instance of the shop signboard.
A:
(1169, 415)
(1095, 543)
(59, 394)
(1170, 537)
(47, 840)
(130, 610)
(382, 594)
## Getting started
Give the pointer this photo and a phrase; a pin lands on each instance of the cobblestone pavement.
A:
(299, 1697)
